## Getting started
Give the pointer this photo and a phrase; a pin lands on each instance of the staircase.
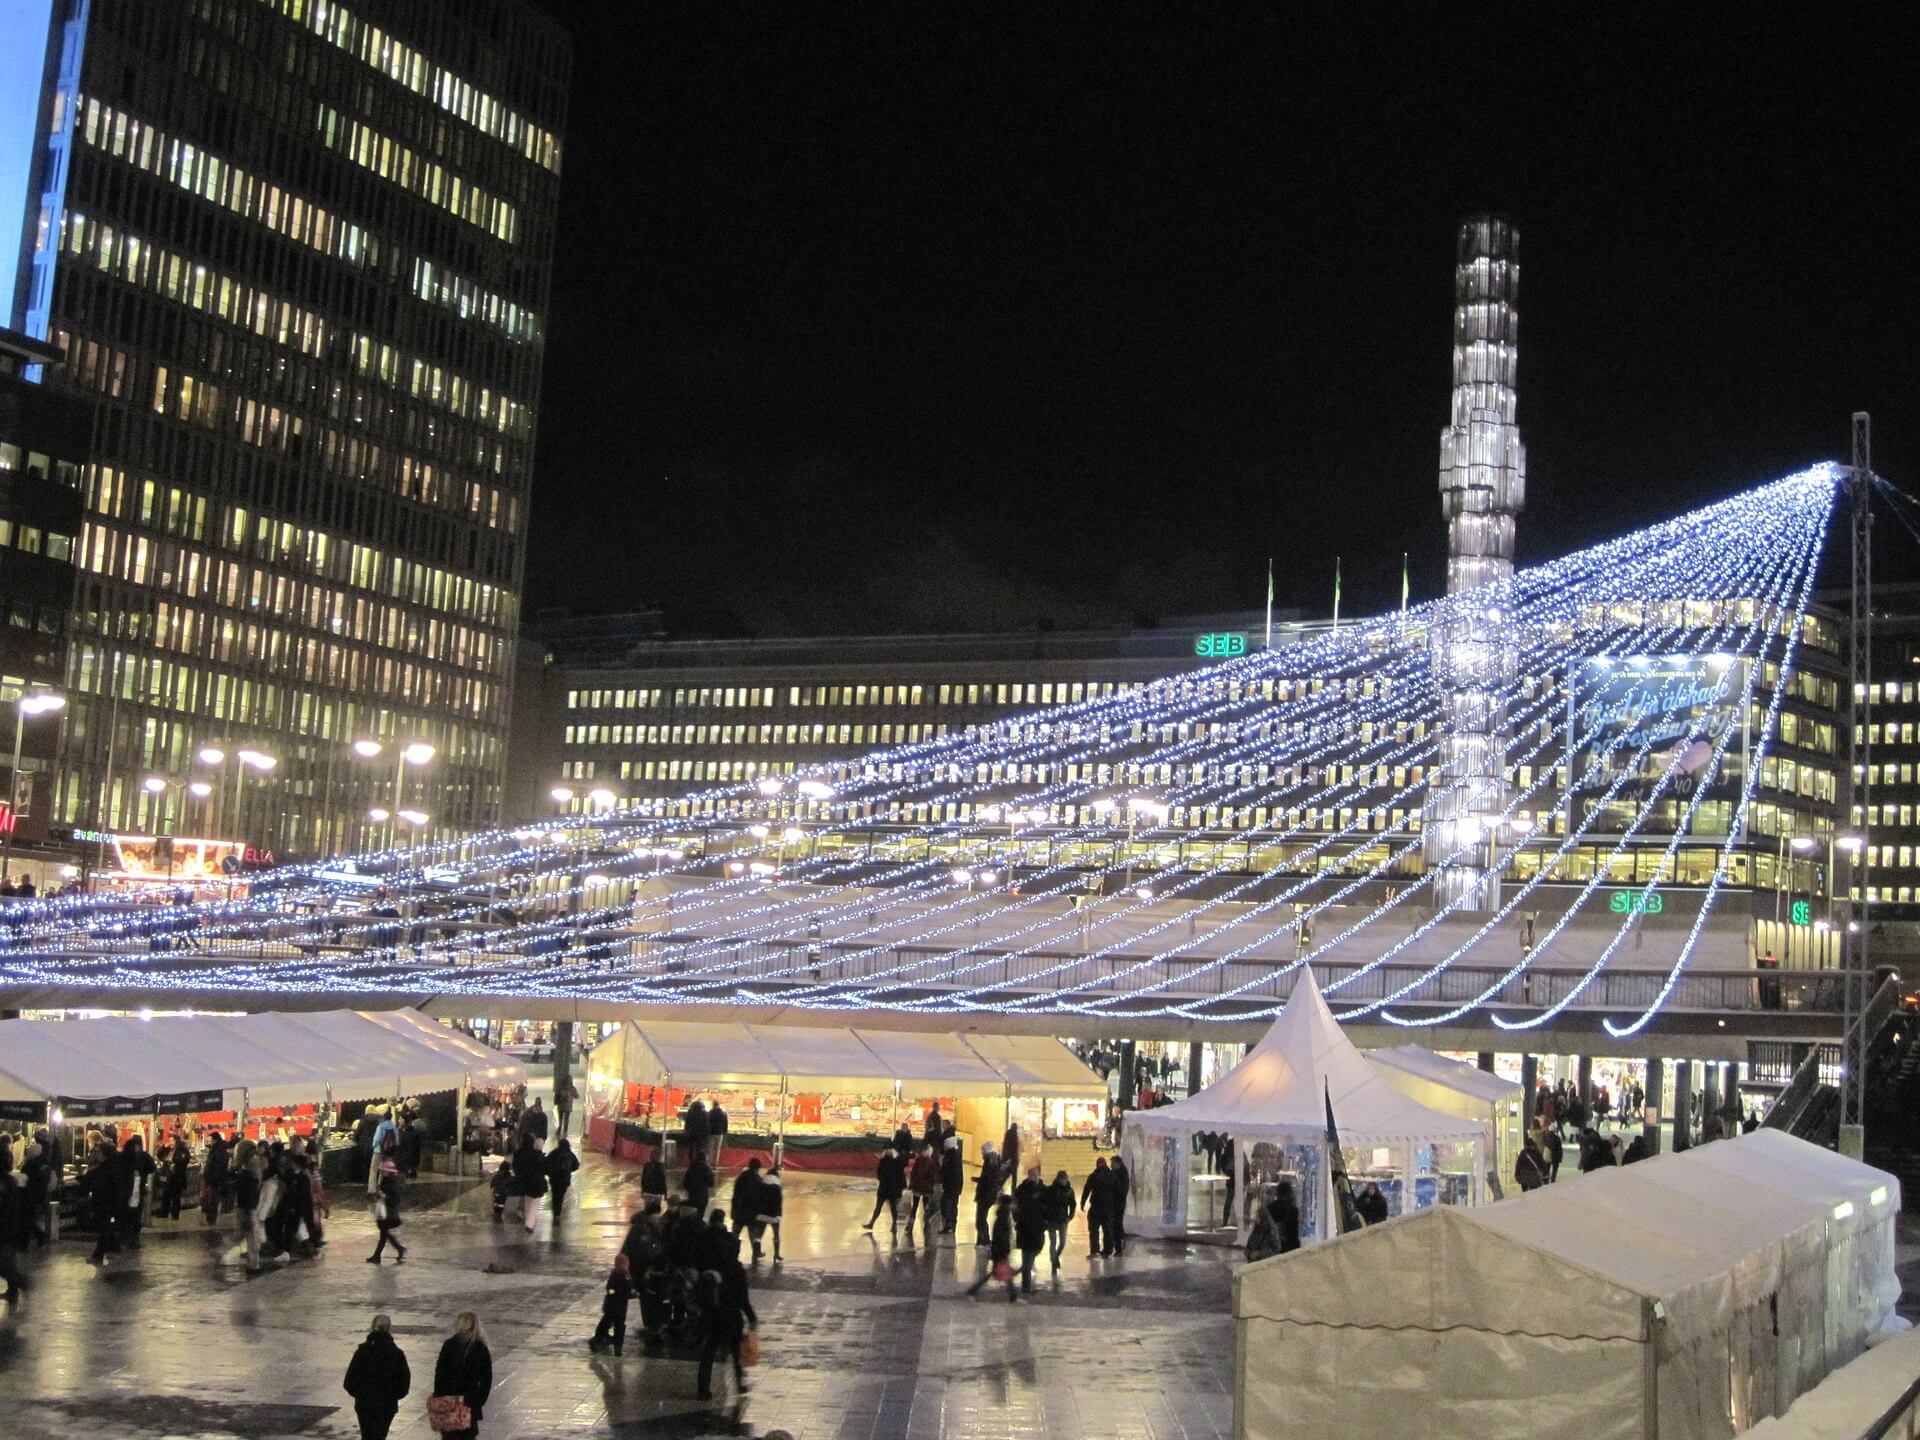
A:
(1810, 1109)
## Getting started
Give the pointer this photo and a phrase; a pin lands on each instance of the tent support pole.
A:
(780, 1140)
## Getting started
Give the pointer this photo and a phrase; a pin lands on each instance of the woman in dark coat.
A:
(1285, 1210)
(1030, 1204)
(465, 1369)
(378, 1380)
(561, 1162)
(1061, 1208)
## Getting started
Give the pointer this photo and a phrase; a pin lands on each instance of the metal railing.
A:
(1902, 1419)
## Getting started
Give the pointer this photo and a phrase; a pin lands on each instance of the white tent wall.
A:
(1740, 1272)
(1457, 1089)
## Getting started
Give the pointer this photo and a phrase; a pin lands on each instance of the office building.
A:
(298, 253)
(45, 438)
(665, 727)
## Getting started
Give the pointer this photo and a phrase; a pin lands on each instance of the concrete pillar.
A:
(1486, 1061)
(1529, 1084)
(1730, 1095)
(1193, 1067)
(1656, 1102)
(1682, 1105)
(562, 1072)
(1584, 1076)
(1129, 1077)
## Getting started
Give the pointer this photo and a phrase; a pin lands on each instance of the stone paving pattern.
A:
(863, 1339)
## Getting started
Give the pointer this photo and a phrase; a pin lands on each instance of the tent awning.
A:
(1469, 1080)
(1281, 1090)
(1038, 1065)
(934, 1064)
(693, 1054)
(275, 1059)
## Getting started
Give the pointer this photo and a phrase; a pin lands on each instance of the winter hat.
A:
(953, 1142)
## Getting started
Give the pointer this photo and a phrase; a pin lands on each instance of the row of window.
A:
(1890, 733)
(431, 181)
(1888, 692)
(1044, 692)
(1888, 774)
(35, 541)
(36, 465)
(220, 182)
(153, 267)
(1889, 855)
(406, 66)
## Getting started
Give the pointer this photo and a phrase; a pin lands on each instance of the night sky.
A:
(951, 317)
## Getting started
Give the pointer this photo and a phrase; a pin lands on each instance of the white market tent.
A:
(256, 1060)
(973, 1070)
(1274, 1105)
(1685, 1297)
(1459, 1089)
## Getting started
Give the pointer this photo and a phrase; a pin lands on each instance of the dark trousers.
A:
(386, 1236)
(613, 1326)
(949, 1210)
(1117, 1232)
(375, 1420)
(558, 1194)
(130, 1225)
(712, 1344)
(1056, 1243)
(1028, 1258)
(108, 1220)
(982, 1215)
(986, 1278)
(1099, 1241)
(891, 1204)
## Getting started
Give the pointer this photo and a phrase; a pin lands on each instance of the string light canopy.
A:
(1176, 848)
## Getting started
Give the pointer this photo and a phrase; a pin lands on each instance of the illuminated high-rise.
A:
(299, 252)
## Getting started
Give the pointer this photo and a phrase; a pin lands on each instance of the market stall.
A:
(817, 1097)
(1687, 1297)
(1270, 1113)
(1051, 1094)
(1460, 1089)
(267, 1076)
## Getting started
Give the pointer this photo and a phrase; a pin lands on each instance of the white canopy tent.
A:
(1274, 1106)
(1685, 1298)
(1463, 1090)
(977, 1072)
(257, 1060)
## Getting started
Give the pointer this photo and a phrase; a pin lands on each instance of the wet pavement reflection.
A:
(863, 1338)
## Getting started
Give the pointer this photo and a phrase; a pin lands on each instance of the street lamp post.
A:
(39, 703)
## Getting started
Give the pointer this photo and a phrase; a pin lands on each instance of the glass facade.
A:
(298, 253)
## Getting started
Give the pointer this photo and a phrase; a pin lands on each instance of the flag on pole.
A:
(1342, 1187)
(1403, 582)
(1336, 594)
(1269, 604)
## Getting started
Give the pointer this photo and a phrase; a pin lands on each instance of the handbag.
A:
(1003, 1271)
(448, 1414)
(750, 1348)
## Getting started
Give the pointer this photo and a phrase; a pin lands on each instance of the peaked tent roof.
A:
(1423, 1063)
(1279, 1092)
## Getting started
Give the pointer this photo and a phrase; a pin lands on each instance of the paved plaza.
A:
(863, 1339)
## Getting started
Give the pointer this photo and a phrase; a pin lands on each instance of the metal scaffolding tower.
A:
(1856, 982)
(1483, 487)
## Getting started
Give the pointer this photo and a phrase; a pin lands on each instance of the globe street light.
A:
(39, 703)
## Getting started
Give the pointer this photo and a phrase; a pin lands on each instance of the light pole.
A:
(245, 760)
(157, 786)
(40, 703)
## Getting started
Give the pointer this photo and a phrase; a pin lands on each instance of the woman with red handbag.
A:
(1000, 1252)
(462, 1380)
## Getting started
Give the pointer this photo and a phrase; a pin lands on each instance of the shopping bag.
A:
(448, 1413)
(750, 1348)
(1003, 1271)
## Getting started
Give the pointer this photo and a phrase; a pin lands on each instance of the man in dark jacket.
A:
(953, 1179)
(213, 1177)
(986, 1185)
(890, 1183)
(1030, 1224)
(1096, 1198)
(560, 1163)
(378, 1380)
(698, 1183)
(16, 1227)
(696, 1132)
(743, 1208)
(529, 1179)
(728, 1314)
(107, 1186)
(1117, 1210)
(717, 1123)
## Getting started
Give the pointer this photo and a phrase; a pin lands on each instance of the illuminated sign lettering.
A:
(1632, 902)
(1220, 644)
